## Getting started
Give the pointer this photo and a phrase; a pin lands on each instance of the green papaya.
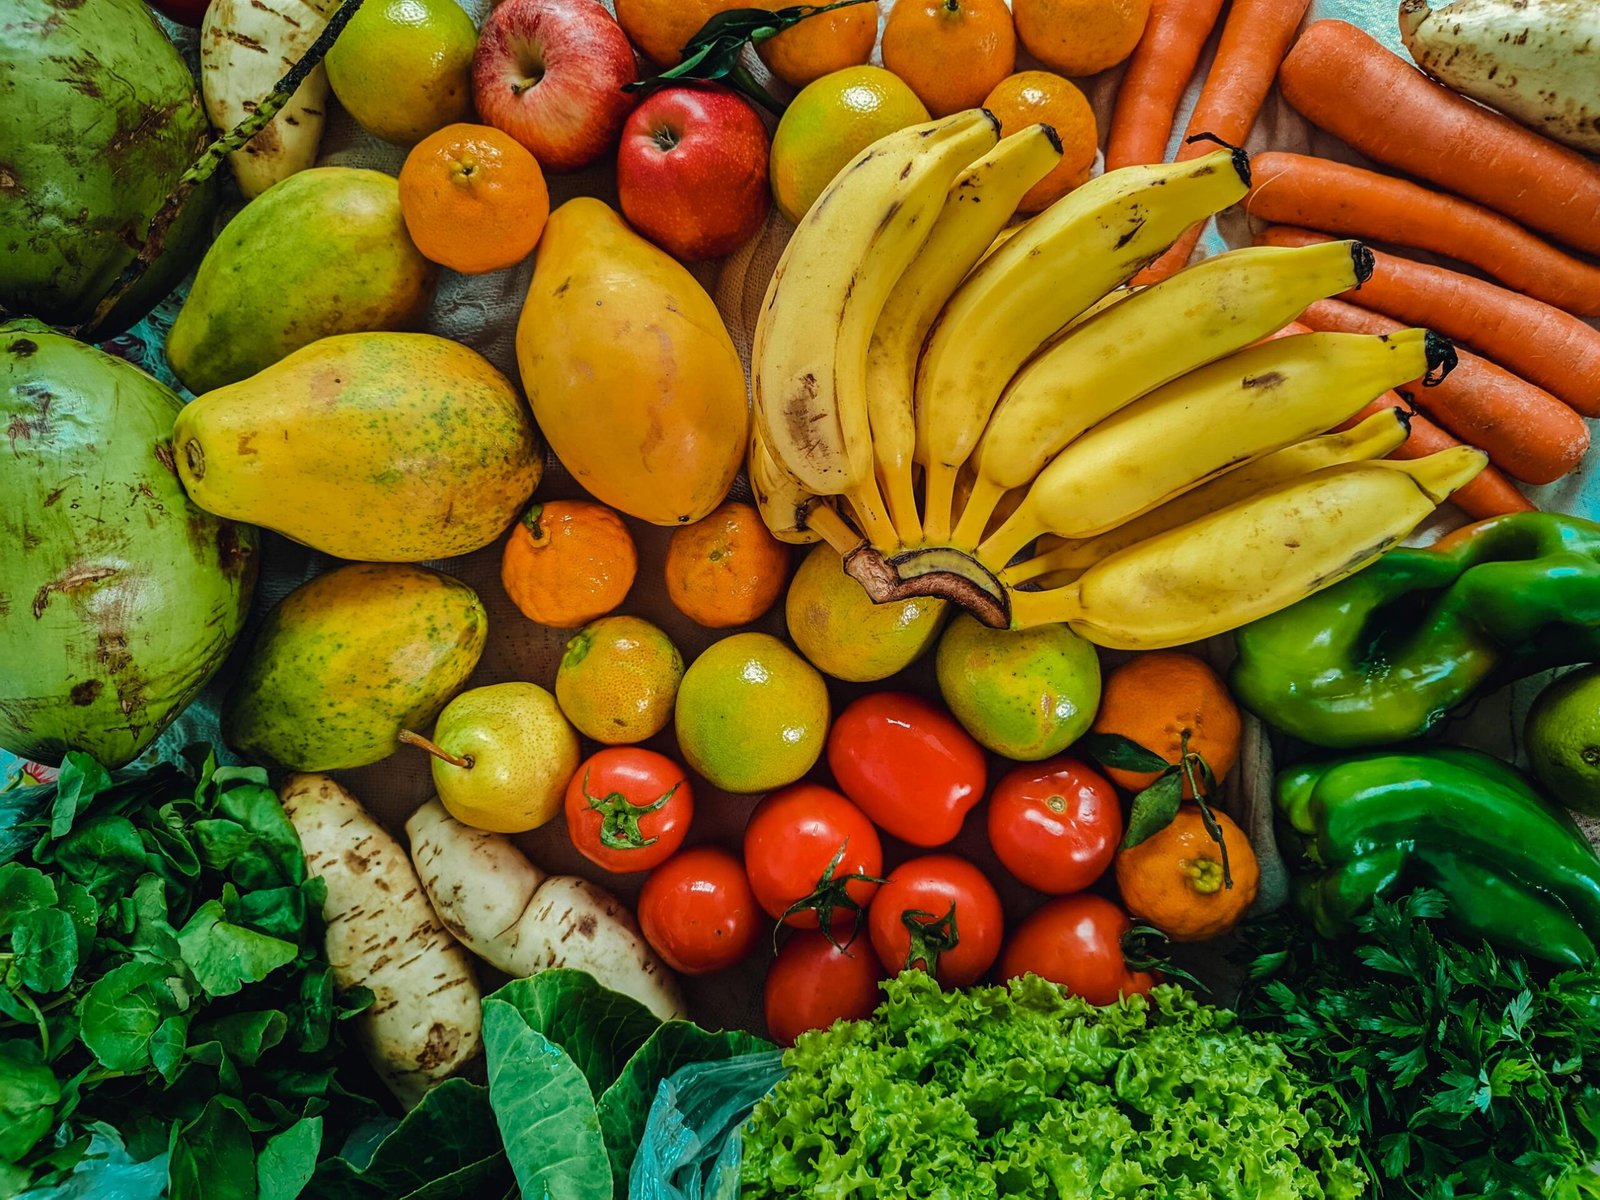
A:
(348, 660)
(101, 119)
(323, 252)
(118, 597)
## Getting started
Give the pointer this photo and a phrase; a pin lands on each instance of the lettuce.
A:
(1026, 1091)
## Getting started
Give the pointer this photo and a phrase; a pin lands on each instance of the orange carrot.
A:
(1296, 189)
(1527, 337)
(1489, 495)
(1255, 37)
(1340, 78)
(1527, 431)
(1157, 76)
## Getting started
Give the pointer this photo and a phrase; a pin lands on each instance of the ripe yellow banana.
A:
(1251, 558)
(979, 203)
(1210, 421)
(808, 365)
(1059, 560)
(782, 501)
(1061, 262)
(1196, 317)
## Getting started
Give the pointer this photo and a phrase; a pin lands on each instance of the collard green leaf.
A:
(28, 1093)
(244, 1036)
(74, 900)
(24, 817)
(214, 1157)
(121, 1012)
(23, 889)
(625, 1106)
(1119, 753)
(46, 949)
(104, 853)
(288, 1160)
(545, 1110)
(80, 780)
(246, 798)
(224, 957)
(167, 1045)
(599, 1029)
(1153, 809)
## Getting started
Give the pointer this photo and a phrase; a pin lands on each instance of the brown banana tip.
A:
(1441, 355)
(993, 120)
(1365, 261)
(1055, 138)
(1241, 158)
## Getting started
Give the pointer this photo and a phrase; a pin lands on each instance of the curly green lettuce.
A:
(1024, 1091)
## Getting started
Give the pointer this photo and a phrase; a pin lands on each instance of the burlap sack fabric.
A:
(482, 312)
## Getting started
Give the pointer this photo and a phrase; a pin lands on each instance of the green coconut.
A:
(101, 120)
(119, 598)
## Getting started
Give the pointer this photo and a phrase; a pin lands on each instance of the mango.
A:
(321, 253)
(119, 599)
(629, 369)
(348, 660)
(382, 447)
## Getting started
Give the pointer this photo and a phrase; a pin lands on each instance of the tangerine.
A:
(1174, 878)
(950, 52)
(726, 569)
(1039, 97)
(1164, 700)
(473, 198)
(568, 562)
(618, 680)
(820, 44)
(1080, 37)
(662, 28)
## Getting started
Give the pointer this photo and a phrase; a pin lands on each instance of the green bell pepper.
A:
(1383, 655)
(1515, 868)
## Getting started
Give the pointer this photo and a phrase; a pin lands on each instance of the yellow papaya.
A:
(385, 447)
(629, 369)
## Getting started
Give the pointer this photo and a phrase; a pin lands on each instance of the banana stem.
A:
(999, 548)
(826, 521)
(902, 498)
(1045, 608)
(868, 505)
(975, 514)
(1065, 557)
(939, 496)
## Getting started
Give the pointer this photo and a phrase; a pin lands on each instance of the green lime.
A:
(1563, 736)
(837, 626)
(618, 679)
(752, 714)
(1024, 693)
(403, 68)
(831, 121)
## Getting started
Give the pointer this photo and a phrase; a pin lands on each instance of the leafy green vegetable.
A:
(1463, 1072)
(1024, 1091)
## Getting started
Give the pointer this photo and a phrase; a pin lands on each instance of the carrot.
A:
(1527, 337)
(1340, 78)
(1255, 37)
(1489, 495)
(1296, 189)
(1527, 431)
(1157, 76)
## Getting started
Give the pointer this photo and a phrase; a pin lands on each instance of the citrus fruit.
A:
(618, 679)
(568, 562)
(518, 753)
(1034, 97)
(403, 68)
(726, 569)
(830, 122)
(1024, 693)
(1156, 699)
(1080, 37)
(1563, 736)
(950, 52)
(820, 44)
(838, 627)
(473, 198)
(752, 715)
(1174, 880)
(661, 28)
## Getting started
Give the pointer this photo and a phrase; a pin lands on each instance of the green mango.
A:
(350, 659)
(118, 597)
(100, 120)
(323, 252)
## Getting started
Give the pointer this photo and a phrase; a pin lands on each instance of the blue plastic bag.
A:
(691, 1147)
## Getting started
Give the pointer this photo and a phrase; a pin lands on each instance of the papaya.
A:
(101, 119)
(119, 598)
(382, 447)
(349, 659)
(323, 252)
(629, 369)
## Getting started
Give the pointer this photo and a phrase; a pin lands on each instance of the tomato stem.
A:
(619, 816)
(929, 938)
(831, 893)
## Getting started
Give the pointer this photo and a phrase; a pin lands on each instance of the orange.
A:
(661, 28)
(1173, 879)
(726, 569)
(1034, 97)
(568, 562)
(951, 52)
(618, 680)
(1080, 37)
(820, 44)
(473, 198)
(1158, 698)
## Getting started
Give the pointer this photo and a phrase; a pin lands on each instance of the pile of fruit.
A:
(962, 763)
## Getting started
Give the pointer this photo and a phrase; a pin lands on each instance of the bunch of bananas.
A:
(936, 393)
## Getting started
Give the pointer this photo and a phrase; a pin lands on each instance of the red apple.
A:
(184, 12)
(550, 73)
(692, 171)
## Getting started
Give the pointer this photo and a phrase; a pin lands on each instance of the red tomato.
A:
(184, 12)
(814, 983)
(1055, 825)
(696, 909)
(1076, 941)
(908, 764)
(812, 857)
(959, 926)
(628, 809)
